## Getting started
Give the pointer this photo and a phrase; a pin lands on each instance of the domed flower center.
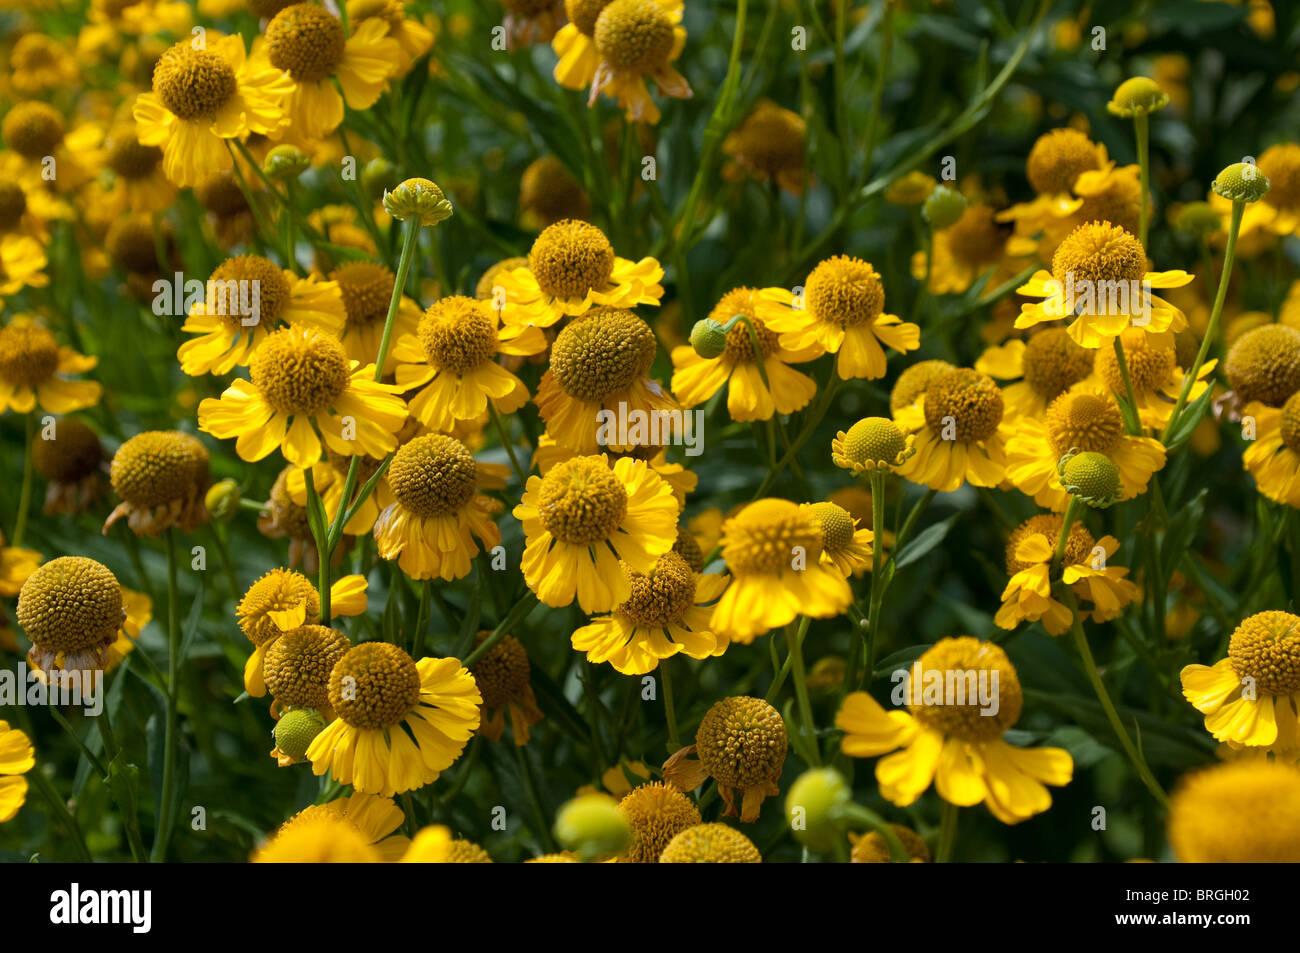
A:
(33, 130)
(1078, 546)
(375, 685)
(132, 243)
(1281, 164)
(844, 291)
(297, 667)
(740, 346)
(974, 692)
(771, 536)
(661, 596)
(458, 334)
(131, 159)
(193, 84)
(503, 673)
(1266, 647)
(584, 13)
(771, 139)
(29, 355)
(1054, 363)
(656, 812)
(837, 525)
(222, 196)
(601, 353)
(874, 440)
(1097, 252)
(280, 590)
(158, 467)
(306, 41)
(70, 603)
(367, 289)
(1058, 159)
(239, 283)
(582, 501)
(570, 258)
(688, 547)
(433, 476)
(963, 405)
(300, 371)
(742, 742)
(634, 35)
(1264, 364)
(13, 203)
(975, 238)
(1291, 423)
(912, 383)
(1084, 422)
(74, 453)
(1149, 365)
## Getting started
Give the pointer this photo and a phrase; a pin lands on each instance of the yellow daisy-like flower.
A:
(413, 37)
(575, 44)
(367, 290)
(303, 388)
(769, 145)
(32, 365)
(571, 269)
(108, 21)
(354, 820)
(682, 480)
(40, 63)
(22, 263)
(955, 744)
(964, 251)
(16, 758)
(400, 723)
(1086, 569)
(1099, 283)
(754, 391)
(247, 298)
(585, 517)
(773, 549)
(668, 612)
(1154, 373)
(308, 44)
(452, 360)
(597, 378)
(161, 476)
(1242, 811)
(436, 514)
(503, 677)
(203, 96)
(16, 564)
(844, 545)
(1250, 699)
(26, 204)
(964, 435)
(1085, 419)
(1273, 457)
(842, 311)
(635, 39)
(1042, 368)
(138, 181)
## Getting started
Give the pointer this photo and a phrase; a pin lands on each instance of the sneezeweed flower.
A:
(844, 545)
(571, 269)
(963, 251)
(26, 205)
(32, 369)
(741, 743)
(224, 200)
(297, 666)
(357, 828)
(420, 199)
(303, 390)
(1085, 567)
(873, 443)
(1273, 456)
(532, 21)
(599, 363)
(548, 193)
(667, 612)
(585, 517)
(308, 44)
(1086, 418)
(161, 476)
(39, 63)
(205, 93)
(1091, 478)
(1250, 699)
(842, 310)
(1136, 96)
(575, 44)
(656, 813)
(710, 844)
(17, 757)
(769, 145)
(754, 391)
(1242, 811)
(635, 39)
(437, 513)
(1099, 283)
(22, 264)
(400, 723)
(1264, 364)
(773, 550)
(905, 396)
(1045, 366)
(139, 183)
(142, 246)
(964, 436)
(870, 848)
(956, 747)
(655, 456)
(503, 676)
(414, 39)
(1154, 372)
(461, 851)
(367, 290)
(245, 299)
(451, 360)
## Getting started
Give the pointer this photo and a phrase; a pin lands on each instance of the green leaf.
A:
(1190, 418)
(925, 541)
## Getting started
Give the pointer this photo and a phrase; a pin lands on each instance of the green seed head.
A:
(1241, 182)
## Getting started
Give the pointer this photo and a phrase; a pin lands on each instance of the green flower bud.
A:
(1138, 96)
(1091, 477)
(222, 500)
(286, 162)
(944, 207)
(593, 827)
(709, 338)
(296, 730)
(1241, 182)
(1198, 219)
(812, 808)
(418, 198)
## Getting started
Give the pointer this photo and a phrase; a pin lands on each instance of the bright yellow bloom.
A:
(682, 480)
(1154, 373)
(333, 833)
(964, 435)
(1239, 812)
(635, 39)
(844, 545)
(1273, 456)
(964, 251)
(32, 363)
(575, 44)
(413, 37)
(22, 263)
(1042, 368)
(16, 759)
(741, 743)
(367, 290)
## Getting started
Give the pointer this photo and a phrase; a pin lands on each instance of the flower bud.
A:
(944, 207)
(593, 827)
(1138, 96)
(285, 162)
(418, 198)
(812, 808)
(1241, 182)
(709, 338)
(222, 500)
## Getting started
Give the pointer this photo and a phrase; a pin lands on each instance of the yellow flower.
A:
(1263, 364)
(32, 363)
(873, 443)
(233, 320)
(571, 269)
(40, 63)
(1154, 373)
(1043, 368)
(436, 514)
(668, 612)
(1085, 419)
(769, 145)
(575, 44)
(451, 360)
(303, 388)
(753, 392)
(1250, 698)
(400, 723)
(203, 96)
(635, 39)
(682, 480)
(582, 519)
(710, 844)
(1273, 456)
(503, 675)
(329, 481)
(22, 264)
(741, 743)
(773, 549)
(367, 290)
(1244, 811)
(372, 820)
(964, 251)
(413, 38)
(955, 743)
(963, 438)
(844, 545)
(656, 813)
(16, 759)
(162, 477)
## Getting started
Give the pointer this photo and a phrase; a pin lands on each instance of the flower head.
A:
(1244, 811)
(161, 476)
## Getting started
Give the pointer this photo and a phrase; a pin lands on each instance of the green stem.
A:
(947, 833)
(130, 816)
(60, 808)
(1132, 421)
(164, 832)
(670, 711)
(25, 493)
(520, 474)
(801, 688)
(542, 829)
(1142, 131)
(399, 286)
(1071, 514)
(876, 597)
(518, 612)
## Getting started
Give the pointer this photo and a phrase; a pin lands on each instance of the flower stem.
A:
(1142, 131)
(164, 832)
(801, 688)
(1132, 422)
(876, 598)
(60, 808)
(520, 474)
(25, 493)
(947, 833)
(1067, 521)
(518, 612)
(399, 286)
(670, 712)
